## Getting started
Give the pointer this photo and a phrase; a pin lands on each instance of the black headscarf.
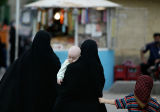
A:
(89, 53)
(29, 85)
(83, 83)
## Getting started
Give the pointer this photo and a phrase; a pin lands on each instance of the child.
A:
(140, 101)
(73, 55)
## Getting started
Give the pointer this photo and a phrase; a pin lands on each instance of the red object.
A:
(157, 73)
(62, 17)
(120, 72)
(133, 72)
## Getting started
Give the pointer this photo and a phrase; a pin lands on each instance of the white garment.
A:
(62, 70)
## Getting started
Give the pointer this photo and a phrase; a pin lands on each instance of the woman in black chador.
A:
(83, 83)
(29, 85)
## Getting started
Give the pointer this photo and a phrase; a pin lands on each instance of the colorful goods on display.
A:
(61, 23)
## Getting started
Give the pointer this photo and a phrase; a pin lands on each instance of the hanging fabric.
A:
(105, 16)
(79, 16)
(65, 18)
(43, 17)
(83, 16)
(39, 16)
(86, 16)
(70, 24)
(62, 16)
(50, 16)
(63, 28)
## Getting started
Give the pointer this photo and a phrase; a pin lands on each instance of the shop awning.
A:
(72, 4)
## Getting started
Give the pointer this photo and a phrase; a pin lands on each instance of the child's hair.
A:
(143, 90)
(156, 34)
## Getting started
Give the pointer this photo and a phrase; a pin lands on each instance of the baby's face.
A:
(72, 58)
(73, 54)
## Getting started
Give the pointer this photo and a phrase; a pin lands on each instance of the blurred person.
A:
(3, 42)
(83, 83)
(5, 24)
(0, 26)
(25, 44)
(154, 56)
(22, 46)
(73, 55)
(140, 101)
(29, 84)
(12, 40)
(12, 34)
(2, 55)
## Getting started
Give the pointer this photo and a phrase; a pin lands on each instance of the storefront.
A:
(72, 21)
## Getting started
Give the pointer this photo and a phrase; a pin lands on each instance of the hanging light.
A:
(57, 16)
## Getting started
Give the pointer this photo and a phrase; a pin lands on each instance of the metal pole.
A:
(76, 26)
(17, 28)
(108, 29)
(76, 31)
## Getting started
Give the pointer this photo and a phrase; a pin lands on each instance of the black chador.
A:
(83, 83)
(29, 85)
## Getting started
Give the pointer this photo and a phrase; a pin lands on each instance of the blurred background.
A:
(121, 28)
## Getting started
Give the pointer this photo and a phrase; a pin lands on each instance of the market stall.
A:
(72, 21)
